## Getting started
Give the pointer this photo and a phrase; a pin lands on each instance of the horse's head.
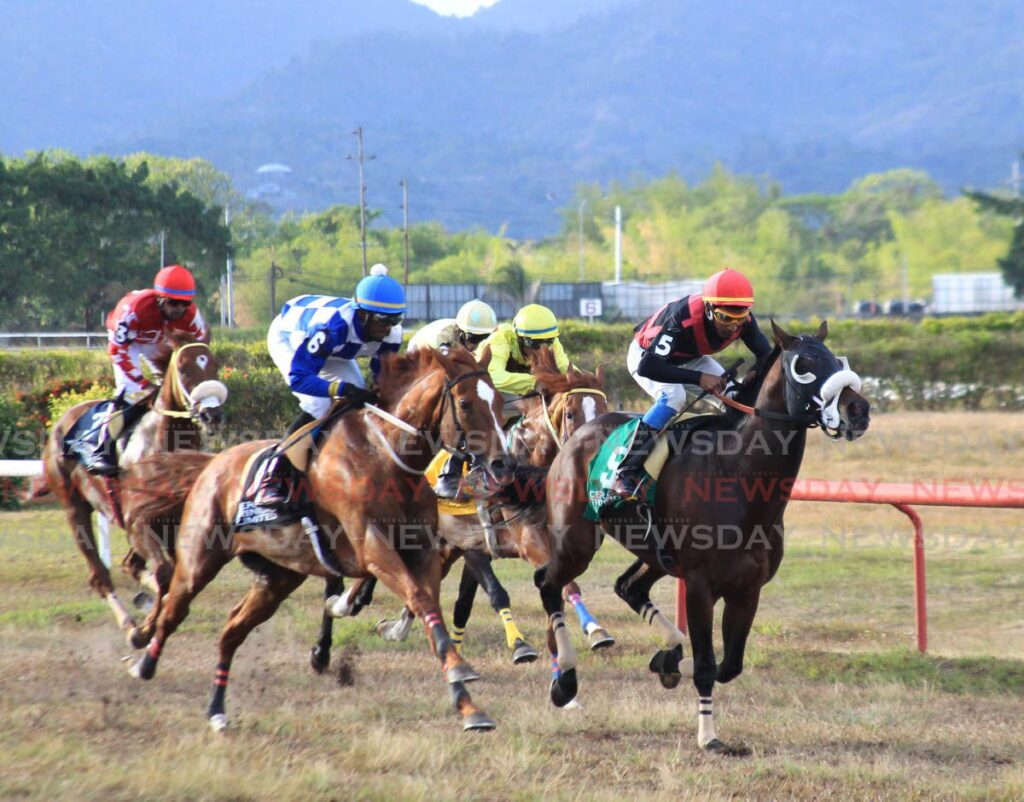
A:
(191, 385)
(821, 385)
(571, 399)
(452, 396)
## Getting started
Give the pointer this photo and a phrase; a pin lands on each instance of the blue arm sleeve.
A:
(309, 359)
(385, 348)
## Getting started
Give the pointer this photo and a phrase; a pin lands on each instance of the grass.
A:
(834, 703)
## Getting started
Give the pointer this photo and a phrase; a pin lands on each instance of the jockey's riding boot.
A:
(273, 490)
(630, 474)
(448, 480)
(98, 459)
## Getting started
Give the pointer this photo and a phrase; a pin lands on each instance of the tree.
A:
(77, 235)
(1012, 264)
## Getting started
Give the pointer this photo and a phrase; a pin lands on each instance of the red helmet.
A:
(729, 287)
(175, 281)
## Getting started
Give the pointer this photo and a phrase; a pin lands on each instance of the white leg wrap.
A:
(340, 606)
(399, 630)
(705, 722)
(123, 619)
(148, 581)
(670, 632)
(566, 651)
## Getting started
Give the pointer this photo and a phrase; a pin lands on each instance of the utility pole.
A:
(618, 244)
(1015, 178)
(163, 236)
(582, 204)
(358, 133)
(275, 274)
(405, 227)
(230, 278)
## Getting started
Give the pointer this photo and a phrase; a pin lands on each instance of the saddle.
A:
(601, 473)
(87, 433)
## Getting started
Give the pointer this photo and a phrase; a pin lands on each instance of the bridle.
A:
(809, 419)
(206, 393)
(550, 424)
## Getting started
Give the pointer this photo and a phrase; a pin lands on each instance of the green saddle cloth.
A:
(601, 474)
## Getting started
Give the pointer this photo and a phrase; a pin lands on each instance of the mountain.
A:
(83, 72)
(494, 126)
(538, 15)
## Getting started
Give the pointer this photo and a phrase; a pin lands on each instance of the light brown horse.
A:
(717, 518)
(371, 503)
(562, 403)
(187, 407)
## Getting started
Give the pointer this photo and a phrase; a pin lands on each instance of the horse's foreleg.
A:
(320, 655)
(481, 567)
(596, 634)
(564, 685)
(634, 588)
(421, 590)
(272, 587)
(737, 618)
(463, 605)
(79, 515)
(191, 575)
(353, 600)
(699, 613)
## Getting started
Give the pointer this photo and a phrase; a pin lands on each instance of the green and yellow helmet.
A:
(536, 322)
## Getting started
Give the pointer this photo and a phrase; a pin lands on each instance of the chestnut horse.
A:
(717, 518)
(186, 409)
(371, 504)
(561, 404)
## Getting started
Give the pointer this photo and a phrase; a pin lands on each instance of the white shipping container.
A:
(972, 292)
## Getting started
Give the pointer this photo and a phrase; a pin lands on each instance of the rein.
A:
(548, 415)
(178, 391)
(808, 419)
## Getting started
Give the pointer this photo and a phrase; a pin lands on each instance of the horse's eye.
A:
(464, 405)
(570, 416)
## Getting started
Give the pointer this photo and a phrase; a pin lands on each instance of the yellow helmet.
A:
(476, 317)
(536, 322)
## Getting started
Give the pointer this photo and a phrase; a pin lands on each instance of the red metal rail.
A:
(901, 495)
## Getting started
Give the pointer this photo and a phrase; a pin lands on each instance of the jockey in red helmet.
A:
(670, 357)
(137, 329)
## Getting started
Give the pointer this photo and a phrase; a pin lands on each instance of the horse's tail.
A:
(159, 484)
(37, 488)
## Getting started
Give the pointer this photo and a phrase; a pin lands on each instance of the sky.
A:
(457, 8)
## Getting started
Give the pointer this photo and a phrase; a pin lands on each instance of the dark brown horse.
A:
(371, 502)
(187, 407)
(717, 520)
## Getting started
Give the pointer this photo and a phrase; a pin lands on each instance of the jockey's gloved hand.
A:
(711, 383)
(135, 396)
(353, 393)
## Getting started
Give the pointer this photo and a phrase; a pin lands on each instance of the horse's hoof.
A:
(143, 668)
(137, 638)
(143, 600)
(573, 704)
(463, 672)
(564, 688)
(670, 681)
(478, 721)
(715, 748)
(667, 664)
(319, 660)
(218, 722)
(600, 639)
(523, 653)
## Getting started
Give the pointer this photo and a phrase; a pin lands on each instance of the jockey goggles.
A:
(388, 319)
(176, 303)
(730, 315)
(473, 340)
(533, 342)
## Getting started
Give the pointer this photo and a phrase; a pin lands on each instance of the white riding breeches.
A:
(675, 395)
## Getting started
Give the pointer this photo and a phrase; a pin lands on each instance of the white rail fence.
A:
(40, 339)
(34, 467)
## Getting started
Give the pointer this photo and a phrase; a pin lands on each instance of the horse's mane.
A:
(545, 369)
(398, 371)
(748, 392)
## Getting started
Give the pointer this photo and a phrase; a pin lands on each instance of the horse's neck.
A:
(419, 407)
(772, 446)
